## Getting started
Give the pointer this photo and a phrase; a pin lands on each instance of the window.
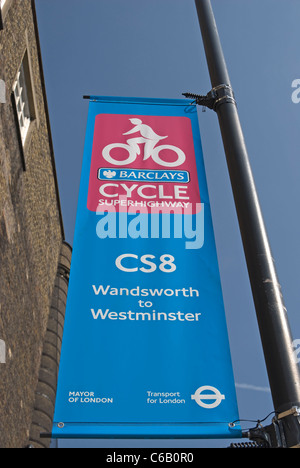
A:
(4, 7)
(23, 99)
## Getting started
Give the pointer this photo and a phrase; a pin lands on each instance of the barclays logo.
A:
(108, 174)
(143, 175)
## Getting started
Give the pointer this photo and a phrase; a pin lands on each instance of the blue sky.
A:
(153, 48)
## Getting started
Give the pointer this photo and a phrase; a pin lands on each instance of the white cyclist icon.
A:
(150, 138)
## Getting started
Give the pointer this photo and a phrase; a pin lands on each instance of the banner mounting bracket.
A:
(214, 98)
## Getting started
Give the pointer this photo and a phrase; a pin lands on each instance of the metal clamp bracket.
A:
(214, 98)
(295, 411)
(283, 432)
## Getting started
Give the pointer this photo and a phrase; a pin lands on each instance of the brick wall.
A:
(31, 231)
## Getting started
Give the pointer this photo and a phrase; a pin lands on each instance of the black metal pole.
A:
(282, 368)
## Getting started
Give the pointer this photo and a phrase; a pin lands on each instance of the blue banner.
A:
(145, 350)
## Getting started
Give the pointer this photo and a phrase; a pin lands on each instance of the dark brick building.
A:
(34, 259)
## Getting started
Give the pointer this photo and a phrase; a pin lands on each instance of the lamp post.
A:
(282, 368)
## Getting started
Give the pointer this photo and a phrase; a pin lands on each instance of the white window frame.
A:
(24, 99)
(22, 104)
(4, 7)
